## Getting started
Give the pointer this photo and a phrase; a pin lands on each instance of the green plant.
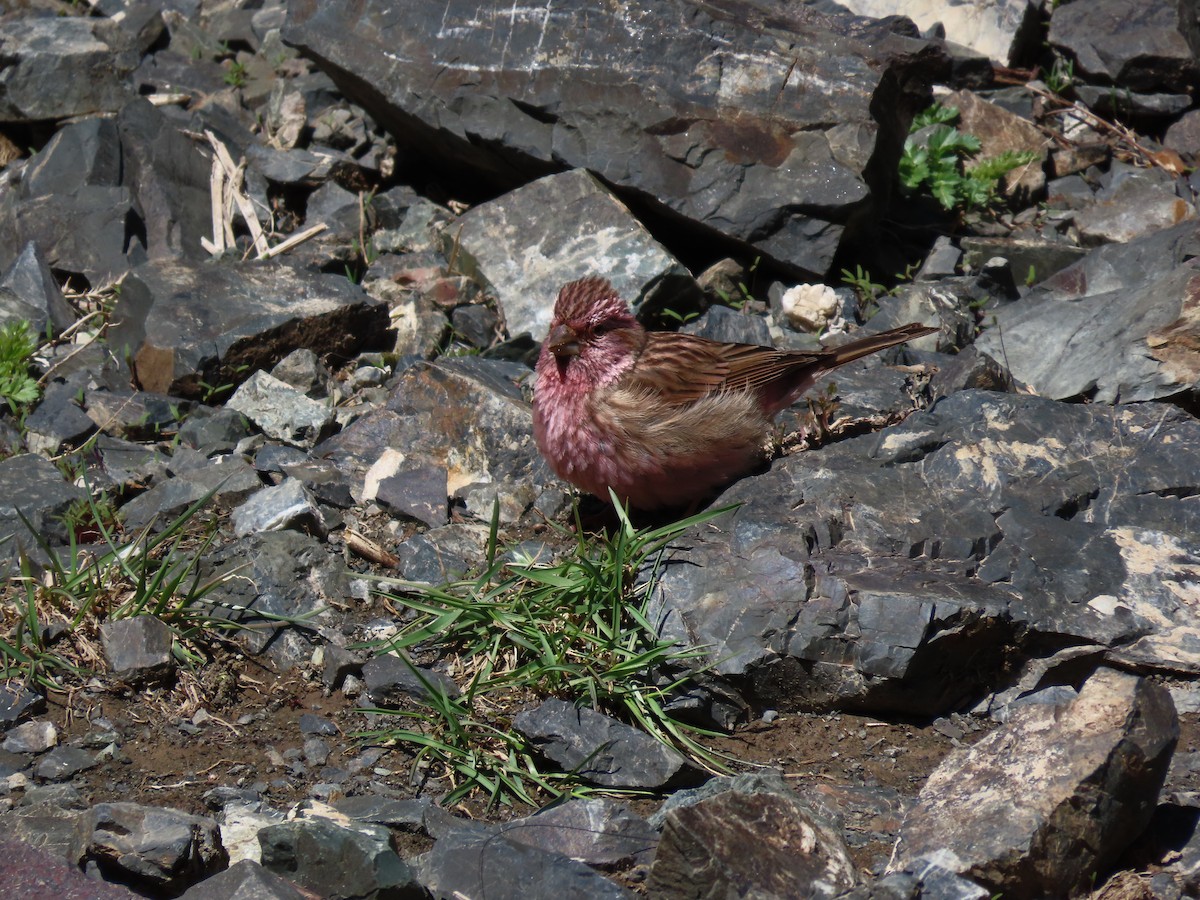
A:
(235, 76)
(938, 164)
(1061, 76)
(576, 629)
(54, 609)
(17, 345)
(864, 286)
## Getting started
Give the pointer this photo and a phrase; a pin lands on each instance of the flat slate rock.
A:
(898, 571)
(1038, 806)
(209, 326)
(752, 144)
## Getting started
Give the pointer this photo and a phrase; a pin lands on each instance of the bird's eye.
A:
(603, 327)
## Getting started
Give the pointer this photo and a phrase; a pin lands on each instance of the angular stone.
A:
(136, 415)
(138, 647)
(30, 293)
(64, 763)
(390, 680)
(464, 414)
(202, 329)
(16, 701)
(83, 232)
(1136, 301)
(764, 844)
(751, 144)
(244, 880)
(32, 487)
(1139, 205)
(529, 243)
(465, 863)
(161, 849)
(1139, 45)
(889, 571)
(63, 51)
(1036, 807)
(602, 750)
(226, 481)
(333, 861)
(417, 491)
(31, 737)
(287, 505)
(275, 574)
(281, 411)
(602, 833)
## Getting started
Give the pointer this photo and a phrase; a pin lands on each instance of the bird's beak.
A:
(563, 341)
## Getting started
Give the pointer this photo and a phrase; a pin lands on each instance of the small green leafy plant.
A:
(17, 345)
(576, 629)
(939, 163)
(235, 76)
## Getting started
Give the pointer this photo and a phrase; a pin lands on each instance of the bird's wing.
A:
(677, 368)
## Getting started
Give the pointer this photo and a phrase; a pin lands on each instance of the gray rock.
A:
(602, 750)
(213, 430)
(30, 293)
(57, 422)
(64, 763)
(138, 647)
(764, 844)
(391, 680)
(157, 848)
(1026, 256)
(720, 323)
(1036, 807)
(279, 573)
(417, 491)
(750, 144)
(17, 700)
(1113, 327)
(287, 505)
(601, 833)
(281, 411)
(226, 481)
(304, 371)
(462, 414)
(337, 862)
(31, 737)
(53, 825)
(244, 880)
(32, 487)
(202, 329)
(1141, 46)
(63, 51)
(87, 152)
(169, 178)
(136, 415)
(851, 574)
(529, 243)
(468, 864)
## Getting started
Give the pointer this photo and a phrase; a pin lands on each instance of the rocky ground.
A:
(284, 268)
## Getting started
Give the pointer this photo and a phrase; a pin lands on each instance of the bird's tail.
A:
(873, 343)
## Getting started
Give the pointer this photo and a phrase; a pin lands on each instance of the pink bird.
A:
(663, 419)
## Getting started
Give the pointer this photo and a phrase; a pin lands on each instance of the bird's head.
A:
(592, 325)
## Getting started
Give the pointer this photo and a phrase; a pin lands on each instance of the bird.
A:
(663, 419)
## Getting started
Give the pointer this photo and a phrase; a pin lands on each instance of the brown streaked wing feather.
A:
(679, 368)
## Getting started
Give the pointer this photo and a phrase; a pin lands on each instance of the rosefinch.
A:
(662, 418)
